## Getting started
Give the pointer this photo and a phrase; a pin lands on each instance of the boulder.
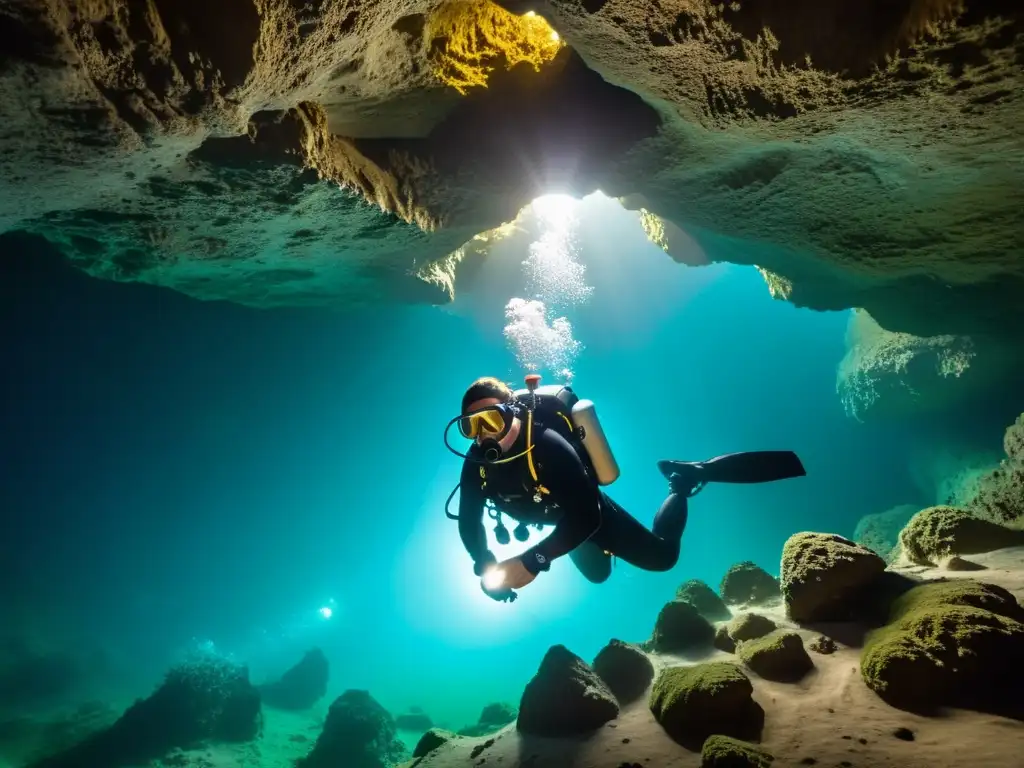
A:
(625, 669)
(703, 598)
(431, 740)
(725, 752)
(204, 699)
(936, 533)
(747, 583)
(301, 686)
(414, 719)
(694, 702)
(357, 733)
(824, 645)
(723, 640)
(779, 656)
(565, 697)
(880, 532)
(957, 563)
(494, 716)
(680, 627)
(750, 626)
(821, 572)
(956, 643)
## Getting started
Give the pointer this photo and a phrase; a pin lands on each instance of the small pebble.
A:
(831, 711)
(863, 741)
(625, 741)
(847, 737)
(808, 761)
(904, 733)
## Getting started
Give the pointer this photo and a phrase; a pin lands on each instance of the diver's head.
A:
(487, 415)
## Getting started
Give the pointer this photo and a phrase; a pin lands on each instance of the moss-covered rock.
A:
(703, 598)
(936, 533)
(1000, 493)
(824, 645)
(432, 739)
(723, 641)
(725, 752)
(880, 532)
(780, 656)
(625, 669)
(358, 731)
(750, 626)
(956, 643)
(680, 627)
(747, 583)
(821, 572)
(692, 703)
(565, 697)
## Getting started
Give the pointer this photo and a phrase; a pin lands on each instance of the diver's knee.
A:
(598, 578)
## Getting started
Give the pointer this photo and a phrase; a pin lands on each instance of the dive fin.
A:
(743, 467)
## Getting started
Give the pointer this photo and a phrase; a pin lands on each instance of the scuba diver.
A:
(540, 457)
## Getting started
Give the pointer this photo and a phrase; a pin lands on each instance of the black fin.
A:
(744, 467)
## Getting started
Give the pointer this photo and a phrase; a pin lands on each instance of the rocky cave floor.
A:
(942, 643)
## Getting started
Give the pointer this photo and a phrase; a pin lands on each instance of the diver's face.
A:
(477, 405)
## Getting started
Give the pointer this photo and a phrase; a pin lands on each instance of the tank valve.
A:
(532, 380)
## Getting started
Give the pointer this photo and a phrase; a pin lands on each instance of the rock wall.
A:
(276, 153)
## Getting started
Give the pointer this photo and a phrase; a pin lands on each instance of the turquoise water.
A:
(191, 474)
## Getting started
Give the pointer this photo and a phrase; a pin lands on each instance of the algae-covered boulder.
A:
(880, 532)
(358, 733)
(747, 583)
(821, 571)
(431, 740)
(1000, 495)
(824, 645)
(725, 752)
(956, 643)
(565, 697)
(680, 627)
(692, 703)
(936, 533)
(723, 640)
(750, 626)
(779, 656)
(625, 669)
(703, 598)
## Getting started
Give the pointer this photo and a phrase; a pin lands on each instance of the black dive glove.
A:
(486, 560)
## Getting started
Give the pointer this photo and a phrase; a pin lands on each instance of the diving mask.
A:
(494, 422)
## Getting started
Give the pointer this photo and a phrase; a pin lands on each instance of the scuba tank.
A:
(561, 409)
(584, 417)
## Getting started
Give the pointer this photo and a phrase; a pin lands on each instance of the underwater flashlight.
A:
(494, 578)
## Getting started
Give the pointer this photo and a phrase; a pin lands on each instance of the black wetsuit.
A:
(588, 525)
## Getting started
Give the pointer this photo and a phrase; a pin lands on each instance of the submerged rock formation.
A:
(1000, 496)
(724, 752)
(565, 697)
(779, 656)
(887, 375)
(358, 732)
(822, 573)
(938, 533)
(949, 644)
(205, 699)
(625, 669)
(679, 627)
(880, 532)
(301, 686)
(279, 153)
(703, 598)
(692, 703)
(747, 583)
(493, 717)
(750, 626)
